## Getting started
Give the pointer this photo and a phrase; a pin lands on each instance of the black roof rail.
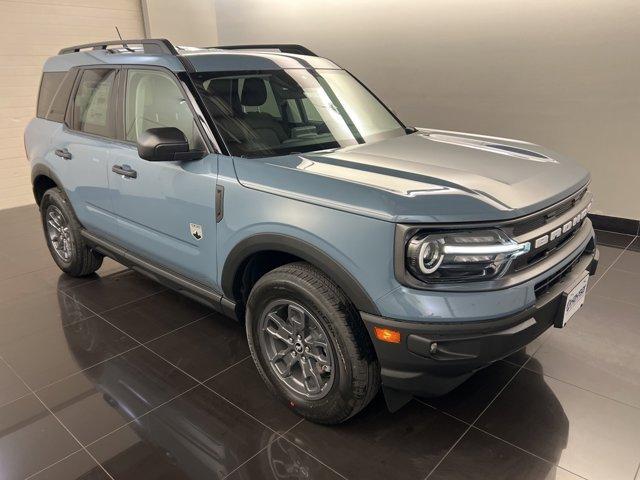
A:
(283, 47)
(149, 45)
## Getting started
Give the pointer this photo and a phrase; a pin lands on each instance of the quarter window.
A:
(153, 99)
(92, 107)
(51, 82)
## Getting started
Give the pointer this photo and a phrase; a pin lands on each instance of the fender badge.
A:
(196, 231)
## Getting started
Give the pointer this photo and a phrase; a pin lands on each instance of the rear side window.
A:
(55, 89)
(93, 105)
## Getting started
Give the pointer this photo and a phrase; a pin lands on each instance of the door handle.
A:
(63, 153)
(125, 171)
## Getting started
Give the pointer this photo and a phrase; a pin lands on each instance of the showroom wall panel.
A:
(31, 31)
(187, 22)
(563, 74)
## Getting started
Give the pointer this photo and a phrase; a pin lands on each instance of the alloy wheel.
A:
(297, 348)
(59, 233)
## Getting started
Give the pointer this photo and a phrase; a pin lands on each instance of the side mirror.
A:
(166, 144)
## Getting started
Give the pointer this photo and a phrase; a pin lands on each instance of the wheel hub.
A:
(297, 348)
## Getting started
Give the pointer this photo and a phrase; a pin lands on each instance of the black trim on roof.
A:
(156, 46)
(283, 47)
(149, 45)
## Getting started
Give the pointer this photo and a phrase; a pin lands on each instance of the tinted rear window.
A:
(55, 89)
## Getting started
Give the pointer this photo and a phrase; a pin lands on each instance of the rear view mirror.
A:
(166, 144)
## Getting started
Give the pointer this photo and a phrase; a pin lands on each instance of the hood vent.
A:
(489, 147)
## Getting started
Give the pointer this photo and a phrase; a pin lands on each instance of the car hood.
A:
(427, 176)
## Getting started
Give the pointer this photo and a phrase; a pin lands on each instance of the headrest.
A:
(220, 87)
(254, 92)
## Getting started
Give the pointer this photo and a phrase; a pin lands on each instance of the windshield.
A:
(278, 112)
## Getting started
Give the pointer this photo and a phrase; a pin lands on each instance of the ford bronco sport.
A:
(270, 184)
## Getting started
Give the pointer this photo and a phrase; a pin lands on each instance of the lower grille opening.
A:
(545, 285)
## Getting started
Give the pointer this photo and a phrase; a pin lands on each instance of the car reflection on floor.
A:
(180, 439)
(191, 435)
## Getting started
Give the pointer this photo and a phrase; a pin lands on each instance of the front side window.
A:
(92, 106)
(284, 111)
(153, 99)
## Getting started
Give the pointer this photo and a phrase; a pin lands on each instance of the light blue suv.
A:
(270, 184)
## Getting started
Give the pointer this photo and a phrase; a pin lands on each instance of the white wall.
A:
(32, 31)
(183, 22)
(565, 74)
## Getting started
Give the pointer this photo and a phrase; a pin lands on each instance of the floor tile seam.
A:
(185, 373)
(504, 387)
(238, 407)
(451, 415)
(311, 454)
(148, 412)
(584, 389)
(455, 444)
(612, 264)
(141, 416)
(66, 377)
(110, 358)
(188, 324)
(31, 475)
(181, 370)
(129, 302)
(58, 419)
(277, 437)
(226, 369)
(472, 425)
(15, 400)
(497, 437)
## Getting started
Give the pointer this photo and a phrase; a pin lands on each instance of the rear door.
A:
(166, 210)
(83, 145)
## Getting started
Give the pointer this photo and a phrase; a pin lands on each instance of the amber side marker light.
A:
(387, 335)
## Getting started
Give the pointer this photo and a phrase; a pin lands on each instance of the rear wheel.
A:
(62, 233)
(309, 344)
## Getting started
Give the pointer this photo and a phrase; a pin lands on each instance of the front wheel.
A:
(310, 345)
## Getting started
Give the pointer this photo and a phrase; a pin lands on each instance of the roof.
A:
(160, 52)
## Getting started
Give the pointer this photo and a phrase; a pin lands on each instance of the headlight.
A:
(461, 256)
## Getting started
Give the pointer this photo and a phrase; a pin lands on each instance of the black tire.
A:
(356, 377)
(82, 261)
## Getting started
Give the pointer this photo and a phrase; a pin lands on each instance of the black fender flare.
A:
(300, 248)
(40, 170)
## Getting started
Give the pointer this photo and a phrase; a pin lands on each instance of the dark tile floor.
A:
(113, 376)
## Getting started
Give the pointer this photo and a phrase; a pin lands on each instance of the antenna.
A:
(123, 44)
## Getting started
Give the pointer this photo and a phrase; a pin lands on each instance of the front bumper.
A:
(416, 366)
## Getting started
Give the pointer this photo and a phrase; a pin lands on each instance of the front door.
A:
(166, 210)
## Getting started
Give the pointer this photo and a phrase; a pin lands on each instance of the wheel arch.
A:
(42, 179)
(242, 253)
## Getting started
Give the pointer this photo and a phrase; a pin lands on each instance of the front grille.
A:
(537, 221)
(539, 254)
